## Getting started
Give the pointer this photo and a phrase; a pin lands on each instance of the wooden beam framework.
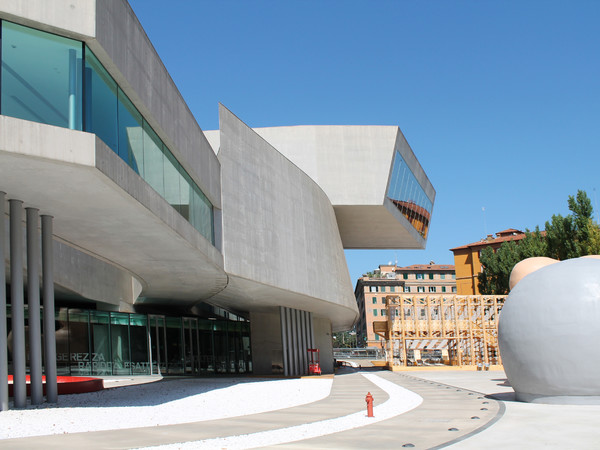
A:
(459, 329)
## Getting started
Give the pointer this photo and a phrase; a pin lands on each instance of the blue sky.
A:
(500, 101)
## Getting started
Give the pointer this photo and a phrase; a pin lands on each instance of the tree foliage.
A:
(565, 237)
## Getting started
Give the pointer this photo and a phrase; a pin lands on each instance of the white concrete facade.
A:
(281, 218)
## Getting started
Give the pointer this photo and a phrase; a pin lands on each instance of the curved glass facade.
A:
(409, 197)
(58, 81)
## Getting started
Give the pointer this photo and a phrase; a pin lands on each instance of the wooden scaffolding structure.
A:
(463, 327)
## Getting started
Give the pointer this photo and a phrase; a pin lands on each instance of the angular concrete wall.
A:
(282, 244)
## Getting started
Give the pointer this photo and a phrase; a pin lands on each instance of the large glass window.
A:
(100, 341)
(131, 149)
(100, 102)
(138, 334)
(79, 342)
(174, 346)
(51, 79)
(405, 191)
(41, 76)
(119, 333)
(207, 359)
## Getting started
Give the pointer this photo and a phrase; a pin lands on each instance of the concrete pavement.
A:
(469, 410)
(444, 408)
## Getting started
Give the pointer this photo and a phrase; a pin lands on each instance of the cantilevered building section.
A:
(164, 253)
(380, 193)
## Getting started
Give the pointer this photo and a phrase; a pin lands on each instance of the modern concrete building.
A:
(162, 252)
(372, 289)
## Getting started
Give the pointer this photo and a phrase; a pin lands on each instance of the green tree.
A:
(566, 237)
(497, 265)
(344, 339)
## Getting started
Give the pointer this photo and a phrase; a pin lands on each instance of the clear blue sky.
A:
(499, 100)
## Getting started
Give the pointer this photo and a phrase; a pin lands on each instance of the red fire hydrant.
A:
(369, 400)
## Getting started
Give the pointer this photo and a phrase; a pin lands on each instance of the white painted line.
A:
(400, 400)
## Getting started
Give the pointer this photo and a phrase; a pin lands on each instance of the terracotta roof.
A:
(502, 236)
(431, 267)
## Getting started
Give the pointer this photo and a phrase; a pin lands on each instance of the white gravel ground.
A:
(165, 402)
(400, 401)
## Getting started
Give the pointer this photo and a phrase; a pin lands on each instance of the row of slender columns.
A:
(33, 300)
(297, 337)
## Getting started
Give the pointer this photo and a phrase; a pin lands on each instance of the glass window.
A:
(383, 311)
(405, 276)
(382, 288)
(131, 139)
(119, 336)
(376, 337)
(62, 340)
(172, 180)
(79, 343)
(406, 288)
(138, 333)
(443, 288)
(154, 160)
(392, 288)
(431, 276)
(420, 276)
(408, 196)
(454, 276)
(100, 102)
(207, 359)
(432, 289)
(100, 340)
(443, 276)
(421, 289)
(375, 312)
(373, 288)
(174, 346)
(453, 288)
(44, 78)
(374, 300)
(41, 76)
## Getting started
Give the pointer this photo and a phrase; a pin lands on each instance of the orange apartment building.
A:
(467, 263)
(371, 291)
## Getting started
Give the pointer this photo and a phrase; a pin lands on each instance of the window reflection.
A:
(409, 197)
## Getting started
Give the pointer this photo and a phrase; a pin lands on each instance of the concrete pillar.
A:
(303, 352)
(33, 304)
(294, 346)
(48, 296)
(3, 331)
(311, 335)
(286, 370)
(17, 303)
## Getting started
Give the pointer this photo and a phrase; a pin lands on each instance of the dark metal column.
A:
(48, 296)
(17, 303)
(3, 340)
(33, 304)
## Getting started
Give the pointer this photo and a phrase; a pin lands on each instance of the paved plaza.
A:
(457, 409)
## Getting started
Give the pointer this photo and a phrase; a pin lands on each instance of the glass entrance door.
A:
(158, 344)
(191, 345)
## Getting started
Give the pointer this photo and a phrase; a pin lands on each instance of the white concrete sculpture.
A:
(549, 333)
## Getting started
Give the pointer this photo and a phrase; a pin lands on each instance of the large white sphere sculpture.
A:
(549, 334)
